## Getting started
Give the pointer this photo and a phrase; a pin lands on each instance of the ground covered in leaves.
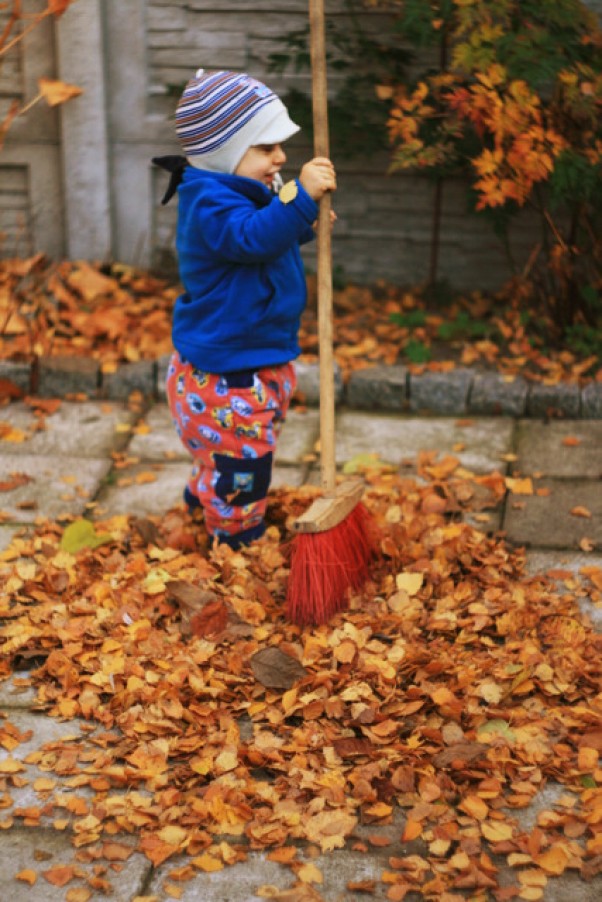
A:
(453, 688)
(116, 314)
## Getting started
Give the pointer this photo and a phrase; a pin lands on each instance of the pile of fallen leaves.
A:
(453, 688)
(113, 313)
(116, 313)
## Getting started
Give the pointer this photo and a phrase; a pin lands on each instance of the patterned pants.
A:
(230, 424)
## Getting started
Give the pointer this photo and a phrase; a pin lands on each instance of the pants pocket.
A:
(241, 481)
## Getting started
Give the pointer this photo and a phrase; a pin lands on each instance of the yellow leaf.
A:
(11, 766)
(490, 691)
(475, 807)
(173, 835)
(207, 863)
(78, 894)
(531, 893)
(519, 486)
(409, 582)
(56, 92)
(309, 873)
(329, 828)
(226, 761)
(496, 831)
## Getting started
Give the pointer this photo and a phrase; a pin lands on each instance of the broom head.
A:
(335, 542)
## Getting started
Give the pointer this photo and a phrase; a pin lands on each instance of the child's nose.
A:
(279, 154)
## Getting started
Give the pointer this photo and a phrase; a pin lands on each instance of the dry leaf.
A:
(27, 876)
(275, 669)
(581, 511)
(56, 92)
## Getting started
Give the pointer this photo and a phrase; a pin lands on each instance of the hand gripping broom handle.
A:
(322, 149)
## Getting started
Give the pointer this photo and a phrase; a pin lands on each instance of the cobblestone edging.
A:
(459, 392)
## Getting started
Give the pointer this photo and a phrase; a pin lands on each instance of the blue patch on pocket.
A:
(242, 481)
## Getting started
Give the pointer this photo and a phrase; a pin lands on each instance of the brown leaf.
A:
(16, 481)
(9, 391)
(462, 752)
(275, 669)
(212, 620)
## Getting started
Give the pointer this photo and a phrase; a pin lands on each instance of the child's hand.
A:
(333, 219)
(318, 177)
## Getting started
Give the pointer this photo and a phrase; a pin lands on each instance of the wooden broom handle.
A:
(325, 340)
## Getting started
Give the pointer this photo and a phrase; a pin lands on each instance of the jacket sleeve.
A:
(237, 231)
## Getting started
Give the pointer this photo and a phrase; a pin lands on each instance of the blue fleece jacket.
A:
(241, 268)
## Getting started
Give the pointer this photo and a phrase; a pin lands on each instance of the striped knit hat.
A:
(221, 114)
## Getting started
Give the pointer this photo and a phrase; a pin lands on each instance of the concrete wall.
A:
(77, 181)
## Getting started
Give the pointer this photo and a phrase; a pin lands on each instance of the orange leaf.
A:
(58, 7)
(571, 441)
(60, 875)
(283, 855)
(27, 876)
(581, 511)
(554, 860)
(412, 830)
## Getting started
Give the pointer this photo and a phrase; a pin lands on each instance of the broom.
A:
(335, 539)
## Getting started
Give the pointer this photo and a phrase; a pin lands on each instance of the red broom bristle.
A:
(326, 565)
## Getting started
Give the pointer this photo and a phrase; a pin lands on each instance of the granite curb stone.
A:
(64, 375)
(562, 399)
(441, 393)
(591, 401)
(492, 395)
(382, 387)
(457, 391)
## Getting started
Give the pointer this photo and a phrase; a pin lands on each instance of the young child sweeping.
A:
(235, 327)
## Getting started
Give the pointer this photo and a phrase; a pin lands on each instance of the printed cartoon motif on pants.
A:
(231, 433)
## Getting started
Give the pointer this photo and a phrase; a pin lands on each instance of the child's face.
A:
(261, 163)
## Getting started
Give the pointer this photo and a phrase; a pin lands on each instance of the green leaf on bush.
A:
(417, 352)
(82, 534)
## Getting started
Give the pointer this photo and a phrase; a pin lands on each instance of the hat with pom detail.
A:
(221, 114)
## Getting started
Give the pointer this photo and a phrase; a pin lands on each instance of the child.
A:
(235, 327)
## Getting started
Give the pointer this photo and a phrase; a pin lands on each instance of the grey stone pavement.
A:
(70, 464)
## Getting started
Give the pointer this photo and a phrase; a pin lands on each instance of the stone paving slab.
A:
(125, 495)
(7, 534)
(131, 491)
(76, 429)
(540, 446)
(547, 522)
(13, 694)
(298, 437)
(21, 847)
(161, 442)
(478, 444)
(44, 730)
(240, 882)
(60, 485)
